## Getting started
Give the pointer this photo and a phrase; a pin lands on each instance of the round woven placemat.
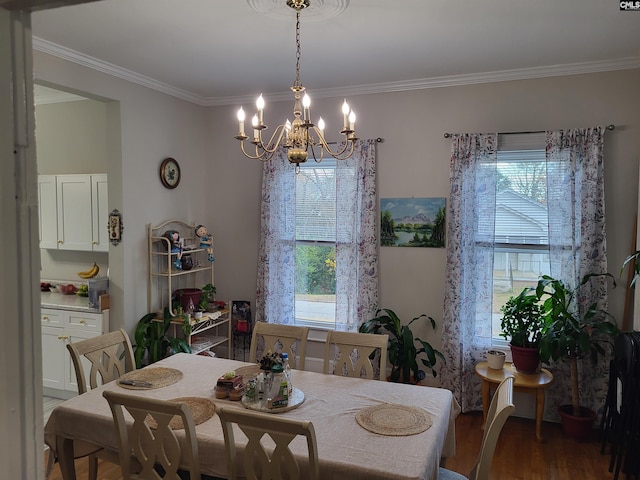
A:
(150, 378)
(394, 420)
(202, 410)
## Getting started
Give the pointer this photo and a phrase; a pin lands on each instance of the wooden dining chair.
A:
(351, 354)
(263, 462)
(279, 338)
(501, 407)
(149, 447)
(110, 356)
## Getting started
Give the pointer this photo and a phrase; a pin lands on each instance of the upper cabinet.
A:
(73, 212)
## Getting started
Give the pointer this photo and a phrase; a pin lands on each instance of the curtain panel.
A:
(356, 240)
(575, 186)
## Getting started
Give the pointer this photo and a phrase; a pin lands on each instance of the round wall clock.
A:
(170, 173)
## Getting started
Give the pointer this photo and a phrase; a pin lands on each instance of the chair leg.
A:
(93, 467)
(51, 460)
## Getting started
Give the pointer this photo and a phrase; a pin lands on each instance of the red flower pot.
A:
(526, 360)
(578, 428)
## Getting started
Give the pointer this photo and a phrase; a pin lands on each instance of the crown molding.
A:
(73, 56)
(51, 48)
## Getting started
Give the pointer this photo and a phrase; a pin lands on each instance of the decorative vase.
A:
(495, 359)
(187, 262)
(578, 428)
(525, 359)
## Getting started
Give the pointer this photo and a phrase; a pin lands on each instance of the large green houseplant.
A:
(152, 339)
(570, 335)
(404, 350)
(523, 324)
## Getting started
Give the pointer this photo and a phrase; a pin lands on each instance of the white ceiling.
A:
(215, 52)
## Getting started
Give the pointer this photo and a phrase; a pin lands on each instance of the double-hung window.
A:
(520, 226)
(315, 240)
(318, 245)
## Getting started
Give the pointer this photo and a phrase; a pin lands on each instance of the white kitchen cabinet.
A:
(60, 327)
(74, 215)
(48, 214)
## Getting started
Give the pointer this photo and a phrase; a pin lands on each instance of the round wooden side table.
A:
(527, 383)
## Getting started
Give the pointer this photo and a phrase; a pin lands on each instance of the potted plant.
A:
(570, 336)
(523, 323)
(404, 350)
(152, 341)
(208, 297)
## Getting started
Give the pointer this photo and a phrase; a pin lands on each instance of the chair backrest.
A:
(352, 358)
(155, 446)
(501, 407)
(258, 462)
(281, 339)
(111, 356)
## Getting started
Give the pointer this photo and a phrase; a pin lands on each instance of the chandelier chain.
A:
(297, 82)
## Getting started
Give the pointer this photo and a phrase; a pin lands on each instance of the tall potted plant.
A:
(404, 350)
(152, 339)
(523, 324)
(571, 336)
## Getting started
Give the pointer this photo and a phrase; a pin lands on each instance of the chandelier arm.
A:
(340, 155)
(274, 142)
(257, 156)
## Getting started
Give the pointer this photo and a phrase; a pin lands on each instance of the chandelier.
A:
(300, 137)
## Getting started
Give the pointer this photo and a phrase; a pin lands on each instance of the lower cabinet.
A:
(60, 327)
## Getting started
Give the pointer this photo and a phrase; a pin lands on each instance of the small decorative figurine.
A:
(206, 240)
(175, 246)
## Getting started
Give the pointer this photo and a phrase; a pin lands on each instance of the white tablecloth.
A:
(346, 450)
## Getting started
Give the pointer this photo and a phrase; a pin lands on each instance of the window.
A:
(315, 238)
(520, 229)
(318, 261)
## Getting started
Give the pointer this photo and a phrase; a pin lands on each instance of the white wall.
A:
(71, 137)
(143, 127)
(414, 161)
(221, 188)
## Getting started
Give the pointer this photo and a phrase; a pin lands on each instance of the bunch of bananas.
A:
(92, 272)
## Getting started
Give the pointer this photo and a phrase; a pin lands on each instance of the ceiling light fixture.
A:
(299, 136)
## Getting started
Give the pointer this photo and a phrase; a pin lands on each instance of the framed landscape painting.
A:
(412, 222)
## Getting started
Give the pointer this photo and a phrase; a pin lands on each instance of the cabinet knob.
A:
(59, 242)
(62, 337)
(45, 318)
(94, 243)
(82, 321)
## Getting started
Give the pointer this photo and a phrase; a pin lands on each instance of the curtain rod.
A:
(448, 135)
(378, 140)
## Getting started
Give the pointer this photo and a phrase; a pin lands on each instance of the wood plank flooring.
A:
(518, 455)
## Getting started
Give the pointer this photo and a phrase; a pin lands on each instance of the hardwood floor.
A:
(518, 455)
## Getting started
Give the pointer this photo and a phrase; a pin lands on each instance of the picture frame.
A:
(115, 227)
(413, 222)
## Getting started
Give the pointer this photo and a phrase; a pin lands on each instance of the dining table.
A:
(348, 447)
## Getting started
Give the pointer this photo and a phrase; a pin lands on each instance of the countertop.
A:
(73, 302)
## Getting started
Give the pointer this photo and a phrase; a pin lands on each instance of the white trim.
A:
(627, 63)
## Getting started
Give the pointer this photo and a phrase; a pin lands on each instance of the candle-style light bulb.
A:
(352, 120)
(287, 129)
(241, 117)
(321, 126)
(345, 113)
(260, 107)
(256, 133)
(306, 103)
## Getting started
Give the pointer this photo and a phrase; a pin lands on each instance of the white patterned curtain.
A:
(356, 240)
(466, 332)
(577, 237)
(575, 177)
